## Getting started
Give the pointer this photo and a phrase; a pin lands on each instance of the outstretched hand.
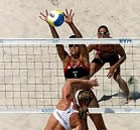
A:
(43, 16)
(68, 16)
(112, 70)
(94, 83)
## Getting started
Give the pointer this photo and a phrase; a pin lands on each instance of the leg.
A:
(95, 67)
(78, 123)
(122, 84)
(97, 119)
(52, 123)
(81, 127)
(117, 77)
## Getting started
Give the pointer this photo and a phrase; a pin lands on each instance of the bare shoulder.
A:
(66, 60)
(94, 46)
(61, 52)
(119, 49)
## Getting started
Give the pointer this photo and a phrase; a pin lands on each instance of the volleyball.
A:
(55, 18)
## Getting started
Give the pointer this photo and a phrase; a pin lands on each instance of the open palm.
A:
(44, 17)
(68, 16)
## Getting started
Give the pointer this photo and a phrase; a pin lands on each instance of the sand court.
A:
(19, 19)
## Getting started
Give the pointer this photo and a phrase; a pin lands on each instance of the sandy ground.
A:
(19, 19)
(37, 122)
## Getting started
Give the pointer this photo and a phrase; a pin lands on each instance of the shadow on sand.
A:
(134, 93)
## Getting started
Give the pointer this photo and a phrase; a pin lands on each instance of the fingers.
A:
(64, 14)
(111, 72)
(46, 12)
(42, 14)
(107, 68)
(73, 14)
(94, 82)
(66, 10)
(110, 75)
(70, 11)
(41, 17)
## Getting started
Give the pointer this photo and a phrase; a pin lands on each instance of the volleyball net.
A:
(31, 76)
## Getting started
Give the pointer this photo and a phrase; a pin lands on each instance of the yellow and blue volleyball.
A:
(55, 18)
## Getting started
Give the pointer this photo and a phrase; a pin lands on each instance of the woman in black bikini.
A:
(76, 64)
(113, 54)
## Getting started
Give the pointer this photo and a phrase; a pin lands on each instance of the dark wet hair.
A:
(103, 26)
(72, 36)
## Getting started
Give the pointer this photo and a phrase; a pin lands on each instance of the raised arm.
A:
(69, 20)
(84, 53)
(61, 52)
(91, 47)
(60, 48)
(44, 17)
(53, 32)
(86, 83)
(119, 49)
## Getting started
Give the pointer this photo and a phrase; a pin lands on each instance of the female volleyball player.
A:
(68, 114)
(76, 64)
(113, 54)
